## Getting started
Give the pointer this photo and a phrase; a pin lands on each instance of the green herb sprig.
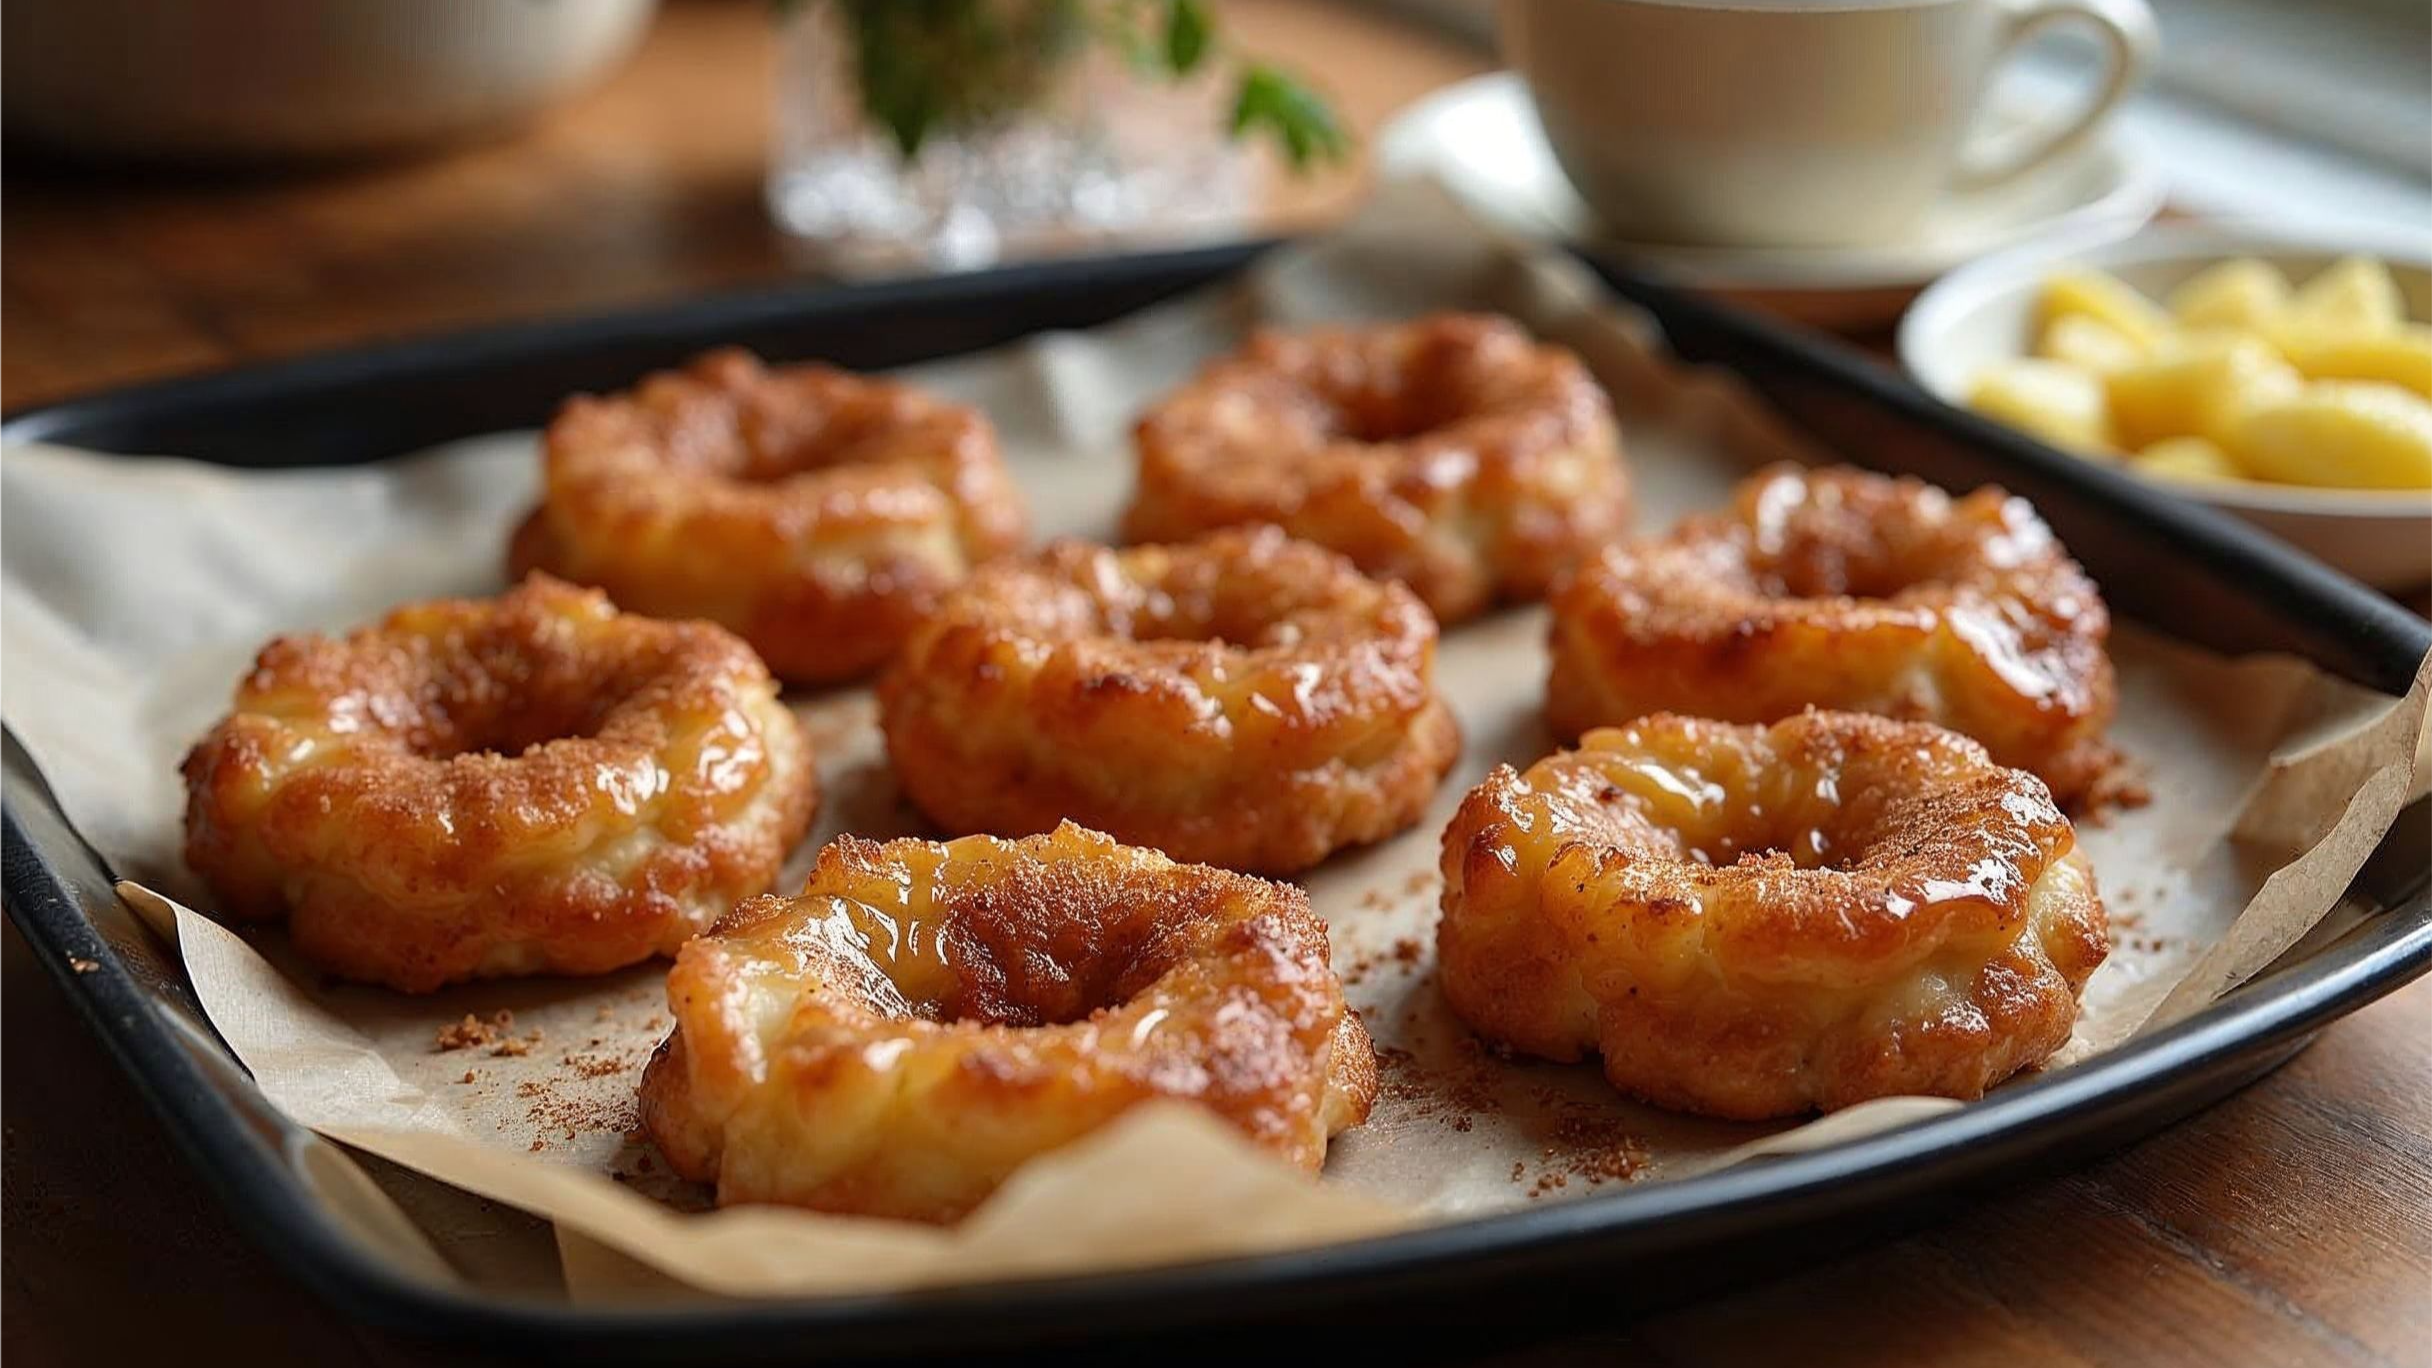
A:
(930, 66)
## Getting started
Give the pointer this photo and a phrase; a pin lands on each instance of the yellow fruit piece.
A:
(2355, 292)
(2084, 340)
(2193, 387)
(2402, 357)
(2241, 293)
(2185, 458)
(2344, 434)
(2210, 336)
(2060, 403)
(2106, 298)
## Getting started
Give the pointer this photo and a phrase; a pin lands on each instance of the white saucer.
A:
(1481, 140)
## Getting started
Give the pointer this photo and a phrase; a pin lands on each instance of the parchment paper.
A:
(137, 591)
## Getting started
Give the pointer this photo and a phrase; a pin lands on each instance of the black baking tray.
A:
(2190, 571)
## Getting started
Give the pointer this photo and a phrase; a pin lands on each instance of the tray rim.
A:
(254, 1179)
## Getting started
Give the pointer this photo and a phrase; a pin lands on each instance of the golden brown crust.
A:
(1841, 589)
(817, 513)
(924, 1018)
(1248, 701)
(1751, 922)
(475, 788)
(1453, 453)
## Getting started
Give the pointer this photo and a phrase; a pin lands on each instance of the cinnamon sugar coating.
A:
(924, 1018)
(1247, 700)
(1752, 922)
(1452, 452)
(816, 513)
(529, 784)
(1841, 589)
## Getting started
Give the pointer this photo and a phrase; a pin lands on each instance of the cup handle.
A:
(2127, 29)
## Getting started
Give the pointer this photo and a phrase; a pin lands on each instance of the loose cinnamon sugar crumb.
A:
(563, 1105)
(1596, 1149)
(1453, 1098)
(2121, 787)
(473, 1031)
(516, 1045)
(468, 1077)
(1407, 953)
(1382, 899)
(2128, 932)
(1584, 1143)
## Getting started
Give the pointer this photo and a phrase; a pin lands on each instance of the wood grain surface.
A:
(2292, 1224)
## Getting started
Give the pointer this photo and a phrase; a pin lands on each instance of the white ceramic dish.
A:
(1481, 139)
(1982, 313)
(276, 79)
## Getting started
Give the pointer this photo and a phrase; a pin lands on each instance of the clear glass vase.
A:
(1093, 152)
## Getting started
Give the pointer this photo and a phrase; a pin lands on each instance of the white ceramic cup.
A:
(1784, 123)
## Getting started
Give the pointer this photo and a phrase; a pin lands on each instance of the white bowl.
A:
(267, 79)
(1983, 313)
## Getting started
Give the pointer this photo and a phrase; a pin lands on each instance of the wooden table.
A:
(2291, 1224)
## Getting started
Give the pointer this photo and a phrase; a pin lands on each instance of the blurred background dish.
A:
(1482, 140)
(1988, 313)
(258, 80)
